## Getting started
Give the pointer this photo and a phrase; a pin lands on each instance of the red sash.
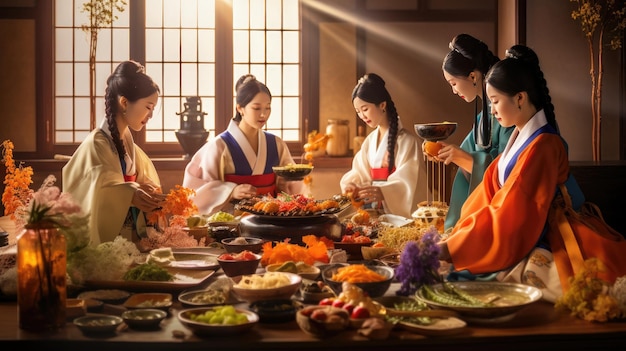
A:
(130, 178)
(264, 183)
(380, 174)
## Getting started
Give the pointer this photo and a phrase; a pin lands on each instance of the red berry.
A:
(326, 301)
(338, 303)
(348, 307)
(360, 312)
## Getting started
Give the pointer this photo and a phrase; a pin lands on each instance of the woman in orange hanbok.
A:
(504, 218)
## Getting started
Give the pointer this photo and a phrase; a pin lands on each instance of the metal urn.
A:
(192, 134)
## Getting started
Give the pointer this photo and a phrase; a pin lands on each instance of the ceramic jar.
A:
(339, 137)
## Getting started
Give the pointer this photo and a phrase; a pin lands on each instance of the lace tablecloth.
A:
(8, 255)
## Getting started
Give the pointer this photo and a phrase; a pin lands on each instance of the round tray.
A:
(275, 228)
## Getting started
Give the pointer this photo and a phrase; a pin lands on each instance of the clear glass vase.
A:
(41, 278)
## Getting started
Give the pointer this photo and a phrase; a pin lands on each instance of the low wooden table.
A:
(539, 325)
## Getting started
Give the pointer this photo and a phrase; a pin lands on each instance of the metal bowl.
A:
(435, 131)
(510, 298)
(144, 318)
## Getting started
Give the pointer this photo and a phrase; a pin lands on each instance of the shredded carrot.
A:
(357, 273)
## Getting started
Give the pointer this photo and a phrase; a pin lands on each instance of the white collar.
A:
(517, 139)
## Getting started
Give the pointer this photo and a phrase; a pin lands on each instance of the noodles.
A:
(397, 237)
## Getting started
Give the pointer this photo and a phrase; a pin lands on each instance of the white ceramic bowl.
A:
(251, 295)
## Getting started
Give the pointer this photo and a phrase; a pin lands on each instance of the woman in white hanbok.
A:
(237, 164)
(384, 172)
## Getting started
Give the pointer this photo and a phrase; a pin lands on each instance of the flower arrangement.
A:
(17, 181)
(419, 263)
(176, 208)
(592, 298)
(177, 204)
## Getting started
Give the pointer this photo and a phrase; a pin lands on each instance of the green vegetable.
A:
(148, 272)
(221, 217)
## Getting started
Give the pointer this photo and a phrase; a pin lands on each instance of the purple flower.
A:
(419, 262)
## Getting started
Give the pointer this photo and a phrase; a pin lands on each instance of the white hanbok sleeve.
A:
(400, 189)
(205, 174)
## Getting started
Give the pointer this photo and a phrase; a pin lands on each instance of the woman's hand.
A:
(369, 194)
(243, 191)
(148, 198)
(451, 153)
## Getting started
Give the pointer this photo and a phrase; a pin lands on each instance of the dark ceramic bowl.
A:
(373, 289)
(293, 172)
(144, 318)
(352, 249)
(274, 311)
(435, 131)
(233, 268)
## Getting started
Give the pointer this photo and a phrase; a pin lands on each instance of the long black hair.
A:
(520, 71)
(466, 55)
(247, 87)
(371, 88)
(129, 80)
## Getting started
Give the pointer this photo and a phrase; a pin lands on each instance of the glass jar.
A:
(41, 278)
(358, 140)
(339, 134)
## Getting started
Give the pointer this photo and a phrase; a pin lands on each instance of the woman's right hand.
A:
(243, 191)
(147, 199)
(451, 153)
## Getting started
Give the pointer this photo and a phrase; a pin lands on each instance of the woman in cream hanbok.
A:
(112, 178)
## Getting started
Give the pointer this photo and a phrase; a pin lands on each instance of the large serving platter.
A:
(511, 298)
(282, 215)
(183, 279)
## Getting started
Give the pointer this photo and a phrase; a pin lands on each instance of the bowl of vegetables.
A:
(480, 301)
(375, 280)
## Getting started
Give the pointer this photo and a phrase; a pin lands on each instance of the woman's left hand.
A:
(370, 193)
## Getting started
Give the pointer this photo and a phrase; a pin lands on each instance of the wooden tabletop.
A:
(536, 325)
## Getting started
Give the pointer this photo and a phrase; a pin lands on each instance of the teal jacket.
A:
(464, 183)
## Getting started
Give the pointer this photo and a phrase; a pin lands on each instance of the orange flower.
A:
(177, 203)
(17, 182)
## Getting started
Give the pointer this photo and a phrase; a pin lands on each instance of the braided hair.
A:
(466, 55)
(247, 87)
(520, 71)
(371, 88)
(129, 80)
